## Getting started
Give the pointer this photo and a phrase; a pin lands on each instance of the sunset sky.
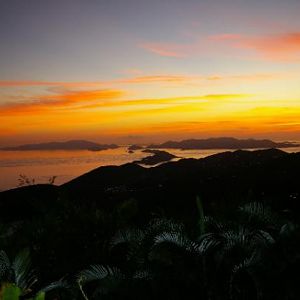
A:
(135, 71)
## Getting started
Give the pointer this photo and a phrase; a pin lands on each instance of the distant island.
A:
(68, 145)
(157, 157)
(222, 143)
(134, 147)
(210, 143)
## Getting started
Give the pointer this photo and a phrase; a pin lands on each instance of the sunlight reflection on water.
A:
(41, 165)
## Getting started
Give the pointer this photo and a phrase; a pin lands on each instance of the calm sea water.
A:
(66, 165)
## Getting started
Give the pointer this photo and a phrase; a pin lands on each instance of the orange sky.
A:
(232, 76)
(117, 110)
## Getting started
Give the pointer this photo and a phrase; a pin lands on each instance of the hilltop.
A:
(73, 225)
(68, 145)
(223, 180)
(222, 143)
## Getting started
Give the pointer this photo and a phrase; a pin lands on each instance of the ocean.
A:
(40, 166)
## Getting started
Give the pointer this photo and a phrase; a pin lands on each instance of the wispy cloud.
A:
(182, 79)
(173, 50)
(132, 71)
(66, 99)
(279, 47)
(157, 79)
(166, 49)
(56, 86)
(276, 47)
(32, 83)
(102, 99)
(110, 112)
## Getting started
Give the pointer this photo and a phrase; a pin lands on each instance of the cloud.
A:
(175, 79)
(103, 111)
(183, 79)
(225, 37)
(279, 47)
(198, 45)
(70, 100)
(284, 47)
(107, 112)
(66, 99)
(157, 79)
(165, 49)
(176, 50)
(275, 47)
(94, 84)
(132, 71)
(32, 83)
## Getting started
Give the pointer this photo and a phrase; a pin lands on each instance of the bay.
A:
(41, 166)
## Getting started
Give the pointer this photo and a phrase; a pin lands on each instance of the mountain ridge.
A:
(67, 145)
(222, 143)
(223, 180)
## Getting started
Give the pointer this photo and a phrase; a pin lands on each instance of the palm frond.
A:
(98, 272)
(21, 265)
(208, 242)
(133, 239)
(59, 284)
(234, 238)
(143, 275)
(163, 225)
(263, 238)
(214, 225)
(111, 279)
(178, 239)
(257, 213)
(127, 236)
(248, 262)
(4, 264)
(287, 230)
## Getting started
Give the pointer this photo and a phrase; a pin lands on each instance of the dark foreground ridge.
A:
(68, 145)
(139, 233)
(222, 143)
(223, 179)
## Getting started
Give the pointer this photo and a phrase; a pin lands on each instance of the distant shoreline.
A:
(226, 143)
(68, 146)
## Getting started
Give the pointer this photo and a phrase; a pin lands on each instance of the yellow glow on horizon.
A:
(230, 105)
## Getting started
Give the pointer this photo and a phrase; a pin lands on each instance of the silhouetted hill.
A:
(135, 147)
(222, 180)
(222, 143)
(23, 202)
(73, 225)
(68, 145)
(157, 157)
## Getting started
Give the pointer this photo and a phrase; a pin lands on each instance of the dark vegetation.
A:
(25, 180)
(222, 143)
(222, 227)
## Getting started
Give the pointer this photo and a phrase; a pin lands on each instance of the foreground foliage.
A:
(252, 254)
